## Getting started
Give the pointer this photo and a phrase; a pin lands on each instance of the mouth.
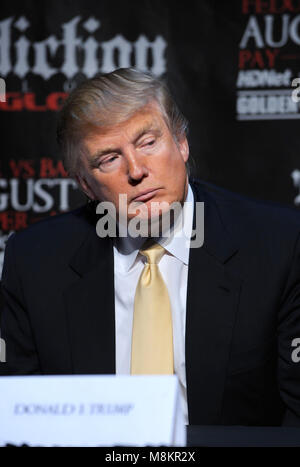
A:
(146, 195)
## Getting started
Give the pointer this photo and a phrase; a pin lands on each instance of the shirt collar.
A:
(177, 244)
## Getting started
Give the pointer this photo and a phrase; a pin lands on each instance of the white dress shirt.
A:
(128, 266)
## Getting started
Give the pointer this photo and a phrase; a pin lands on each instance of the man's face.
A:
(136, 156)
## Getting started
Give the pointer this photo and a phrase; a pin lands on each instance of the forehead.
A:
(148, 118)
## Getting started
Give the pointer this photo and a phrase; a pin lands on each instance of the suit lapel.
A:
(212, 302)
(90, 307)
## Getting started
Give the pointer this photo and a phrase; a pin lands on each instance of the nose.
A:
(135, 166)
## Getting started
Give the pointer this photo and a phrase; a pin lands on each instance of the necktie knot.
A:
(153, 253)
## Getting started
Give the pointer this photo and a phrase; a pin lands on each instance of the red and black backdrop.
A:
(230, 65)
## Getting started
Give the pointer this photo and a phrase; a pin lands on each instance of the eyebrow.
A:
(151, 127)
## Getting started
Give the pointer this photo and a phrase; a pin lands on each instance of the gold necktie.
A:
(152, 336)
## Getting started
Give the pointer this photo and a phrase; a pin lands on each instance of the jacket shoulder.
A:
(57, 234)
(248, 207)
(250, 221)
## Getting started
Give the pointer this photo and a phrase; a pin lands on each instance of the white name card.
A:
(91, 411)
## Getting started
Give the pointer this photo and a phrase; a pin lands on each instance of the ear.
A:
(184, 148)
(85, 187)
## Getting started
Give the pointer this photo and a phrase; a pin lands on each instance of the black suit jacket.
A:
(243, 307)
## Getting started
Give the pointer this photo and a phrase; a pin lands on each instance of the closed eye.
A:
(149, 143)
(110, 159)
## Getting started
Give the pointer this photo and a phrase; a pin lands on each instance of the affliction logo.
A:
(117, 52)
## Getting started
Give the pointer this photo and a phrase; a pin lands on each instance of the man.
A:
(74, 300)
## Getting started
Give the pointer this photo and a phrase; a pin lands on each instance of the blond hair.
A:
(108, 99)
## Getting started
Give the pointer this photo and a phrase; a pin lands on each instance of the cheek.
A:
(175, 156)
(107, 188)
(175, 167)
